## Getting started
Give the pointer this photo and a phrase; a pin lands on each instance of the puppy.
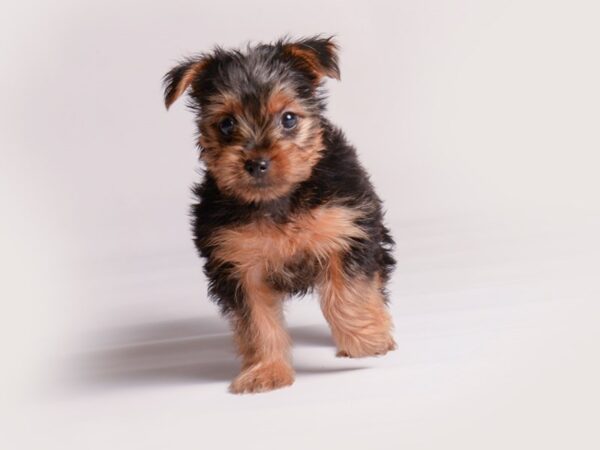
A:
(285, 207)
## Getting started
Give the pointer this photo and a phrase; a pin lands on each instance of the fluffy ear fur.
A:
(179, 78)
(316, 55)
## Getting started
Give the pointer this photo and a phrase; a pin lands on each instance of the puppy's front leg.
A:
(355, 309)
(262, 340)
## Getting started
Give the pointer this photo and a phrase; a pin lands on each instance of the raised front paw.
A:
(263, 377)
(361, 348)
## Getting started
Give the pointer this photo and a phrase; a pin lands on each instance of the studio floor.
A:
(497, 336)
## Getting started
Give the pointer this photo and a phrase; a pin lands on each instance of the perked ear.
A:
(317, 55)
(179, 78)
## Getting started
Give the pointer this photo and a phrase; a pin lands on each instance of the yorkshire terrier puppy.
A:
(285, 207)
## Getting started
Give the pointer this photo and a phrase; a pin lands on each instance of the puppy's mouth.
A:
(262, 181)
(266, 186)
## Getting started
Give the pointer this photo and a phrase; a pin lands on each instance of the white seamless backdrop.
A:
(478, 121)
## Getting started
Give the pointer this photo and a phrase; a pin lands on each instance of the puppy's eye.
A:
(289, 120)
(226, 126)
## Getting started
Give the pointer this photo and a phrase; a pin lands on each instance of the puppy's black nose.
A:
(257, 167)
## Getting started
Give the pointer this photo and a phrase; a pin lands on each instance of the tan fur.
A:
(356, 312)
(221, 105)
(259, 249)
(311, 60)
(185, 82)
(264, 376)
(320, 233)
(262, 341)
(282, 99)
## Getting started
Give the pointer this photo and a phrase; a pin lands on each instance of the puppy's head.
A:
(259, 113)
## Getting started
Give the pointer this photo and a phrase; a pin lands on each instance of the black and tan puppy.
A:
(285, 207)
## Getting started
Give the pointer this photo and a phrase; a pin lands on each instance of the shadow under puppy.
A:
(285, 207)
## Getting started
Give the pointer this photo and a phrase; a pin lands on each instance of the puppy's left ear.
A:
(179, 78)
(316, 55)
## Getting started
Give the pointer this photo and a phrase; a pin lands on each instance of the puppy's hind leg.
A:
(356, 312)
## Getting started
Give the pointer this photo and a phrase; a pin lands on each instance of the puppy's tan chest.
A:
(264, 244)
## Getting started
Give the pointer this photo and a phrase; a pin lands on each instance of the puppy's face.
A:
(258, 113)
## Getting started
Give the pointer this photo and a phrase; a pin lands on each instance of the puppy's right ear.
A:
(179, 78)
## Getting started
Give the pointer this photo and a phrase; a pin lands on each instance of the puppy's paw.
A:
(365, 348)
(263, 377)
